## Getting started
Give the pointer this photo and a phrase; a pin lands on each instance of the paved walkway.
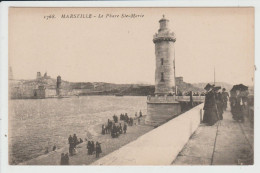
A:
(226, 143)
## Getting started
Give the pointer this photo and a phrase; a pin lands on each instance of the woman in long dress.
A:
(219, 102)
(210, 108)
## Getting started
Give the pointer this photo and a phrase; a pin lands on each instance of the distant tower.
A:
(38, 75)
(58, 87)
(164, 51)
(163, 105)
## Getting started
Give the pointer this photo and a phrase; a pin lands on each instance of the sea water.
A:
(35, 124)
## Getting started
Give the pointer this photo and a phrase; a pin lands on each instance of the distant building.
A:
(38, 76)
(45, 76)
(22, 91)
(39, 93)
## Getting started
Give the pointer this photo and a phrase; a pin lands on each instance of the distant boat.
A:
(119, 95)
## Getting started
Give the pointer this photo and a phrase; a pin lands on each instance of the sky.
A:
(120, 50)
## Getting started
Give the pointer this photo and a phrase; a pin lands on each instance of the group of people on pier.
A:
(64, 159)
(94, 149)
(215, 104)
(73, 141)
(115, 128)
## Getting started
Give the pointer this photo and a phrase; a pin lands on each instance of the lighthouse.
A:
(163, 105)
(164, 52)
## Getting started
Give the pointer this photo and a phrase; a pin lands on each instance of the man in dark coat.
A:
(98, 149)
(219, 102)
(92, 147)
(89, 148)
(75, 140)
(71, 143)
(103, 129)
(210, 108)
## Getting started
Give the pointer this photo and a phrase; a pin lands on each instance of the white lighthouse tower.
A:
(163, 106)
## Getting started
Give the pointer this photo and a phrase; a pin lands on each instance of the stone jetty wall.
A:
(159, 146)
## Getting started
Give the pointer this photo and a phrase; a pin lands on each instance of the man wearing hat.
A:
(210, 108)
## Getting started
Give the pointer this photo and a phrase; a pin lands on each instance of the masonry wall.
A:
(158, 113)
(159, 146)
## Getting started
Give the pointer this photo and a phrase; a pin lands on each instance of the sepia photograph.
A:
(131, 86)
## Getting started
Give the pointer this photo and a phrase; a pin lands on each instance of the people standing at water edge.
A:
(75, 140)
(70, 139)
(210, 108)
(125, 127)
(92, 147)
(89, 148)
(98, 149)
(120, 128)
(62, 159)
(66, 159)
(54, 148)
(140, 114)
(225, 97)
(103, 129)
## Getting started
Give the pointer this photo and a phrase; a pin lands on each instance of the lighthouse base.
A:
(161, 109)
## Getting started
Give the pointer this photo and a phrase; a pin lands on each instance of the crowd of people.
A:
(73, 142)
(113, 127)
(215, 104)
(116, 127)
